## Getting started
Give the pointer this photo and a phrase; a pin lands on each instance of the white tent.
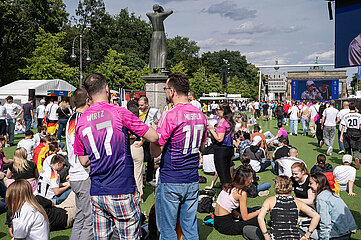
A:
(20, 89)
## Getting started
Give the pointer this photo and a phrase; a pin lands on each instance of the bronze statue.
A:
(158, 45)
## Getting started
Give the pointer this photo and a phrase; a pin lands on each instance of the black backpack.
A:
(205, 205)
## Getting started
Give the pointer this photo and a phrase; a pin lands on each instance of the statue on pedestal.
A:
(158, 46)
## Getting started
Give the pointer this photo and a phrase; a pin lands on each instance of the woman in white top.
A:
(231, 214)
(29, 219)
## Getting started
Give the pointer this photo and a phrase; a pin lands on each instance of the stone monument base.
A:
(155, 84)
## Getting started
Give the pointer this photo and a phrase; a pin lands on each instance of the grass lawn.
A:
(308, 150)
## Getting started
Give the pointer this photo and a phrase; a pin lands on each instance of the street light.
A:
(73, 56)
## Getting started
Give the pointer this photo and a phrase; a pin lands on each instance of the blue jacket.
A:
(336, 218)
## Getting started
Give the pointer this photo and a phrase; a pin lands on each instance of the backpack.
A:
(209, 220)
(205, 205)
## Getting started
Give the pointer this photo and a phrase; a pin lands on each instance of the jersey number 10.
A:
(195, 144)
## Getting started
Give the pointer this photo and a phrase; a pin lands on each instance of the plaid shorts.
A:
(116, 211)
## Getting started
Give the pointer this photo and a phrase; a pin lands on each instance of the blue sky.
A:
(262, 30)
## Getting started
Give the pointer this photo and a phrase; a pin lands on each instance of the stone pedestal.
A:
(155, 84)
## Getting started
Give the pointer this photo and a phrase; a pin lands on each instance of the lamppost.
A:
(73, 56)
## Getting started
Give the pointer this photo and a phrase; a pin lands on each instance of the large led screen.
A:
(323, 90)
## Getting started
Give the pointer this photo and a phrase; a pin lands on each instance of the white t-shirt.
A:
(30, 224)
(341, 114)
(293, 113)
(76, 172)
(343, 174)
(2, 112)
(49, 179)
(37, 138)
(256, 105)
(351, 120)
(214, 106)
(51, 109)
(40, 110)
(11, 109)
(29, 145)
(330, 115)
(285, 165)
(314, 111)
(196, 104)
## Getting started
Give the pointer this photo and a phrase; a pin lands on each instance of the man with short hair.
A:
(351, 133)
(28, 143)
(328, 124)
(286, 163)
(28, 114)
(13, 111)
(49, 185)
(149, 115)
(313, 111)
(3, 121)
(294, 115)
(102, 142)
(280, 152)
(78, 175)
(183, 132)
(192, 100)
(340, 116)
(258, 155)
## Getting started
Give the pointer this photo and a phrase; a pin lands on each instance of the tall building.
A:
(276, 86)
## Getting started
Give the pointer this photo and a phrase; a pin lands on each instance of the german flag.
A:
(52, 126)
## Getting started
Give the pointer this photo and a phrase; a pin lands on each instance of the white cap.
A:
(256, 140)
(347, 158)
(309, 83)
(42, 101)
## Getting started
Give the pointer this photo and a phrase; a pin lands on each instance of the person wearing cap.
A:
(13, 112)
(40, 112)
(28, 114)
(311, 92)
(257, 154)
(345, 175)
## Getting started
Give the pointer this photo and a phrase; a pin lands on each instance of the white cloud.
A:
(251, 28)
(259, 54)
(329, 55)
(210, 42)
(231, 10)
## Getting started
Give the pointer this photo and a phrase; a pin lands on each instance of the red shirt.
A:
(286, 107)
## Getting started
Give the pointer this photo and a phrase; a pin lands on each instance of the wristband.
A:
(308, 230)
(266, 232)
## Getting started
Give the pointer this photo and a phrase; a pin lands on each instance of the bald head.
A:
(293, 152)
(346, 104)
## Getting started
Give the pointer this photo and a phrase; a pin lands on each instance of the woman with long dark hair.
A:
(337, 221)
(223, 144)
(231, 213)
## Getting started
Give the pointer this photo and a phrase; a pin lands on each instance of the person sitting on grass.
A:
(255, 189)
(245, 143)
(284, 210)
(337, 221)
(282, 133)
(321, 166)
(285, 163)
(28, 143)
(257, 155)
(22, 169)
(28, 218)
(231, 214)
(41, 133)
(345, 175)
(300, 182)
(19, 126)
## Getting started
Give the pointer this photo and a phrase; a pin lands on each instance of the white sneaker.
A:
(341, 152)
(329, 150)
(263, 193)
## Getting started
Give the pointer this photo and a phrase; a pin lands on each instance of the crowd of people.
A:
(96, 185)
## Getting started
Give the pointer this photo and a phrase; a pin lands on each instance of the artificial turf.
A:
(307, 149)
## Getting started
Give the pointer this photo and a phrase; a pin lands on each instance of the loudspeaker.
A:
(31, 94)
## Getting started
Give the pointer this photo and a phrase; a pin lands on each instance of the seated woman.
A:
(19, 127)
(22, 169)
(284, 210)
(321, 166)
(300, 181)
(29, 220)
(231, 214)
(337, 221)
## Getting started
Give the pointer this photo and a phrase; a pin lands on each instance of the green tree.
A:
(180, 68)
(46, 62)
(118, 74)
(201, 83)
(19, 23)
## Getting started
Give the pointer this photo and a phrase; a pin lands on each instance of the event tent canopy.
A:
(20, 89)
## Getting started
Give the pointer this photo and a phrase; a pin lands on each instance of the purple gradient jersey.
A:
(224, 127)
(182, 130)
(102, 134)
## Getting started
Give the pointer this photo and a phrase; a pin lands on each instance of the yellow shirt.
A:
(142, 115)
